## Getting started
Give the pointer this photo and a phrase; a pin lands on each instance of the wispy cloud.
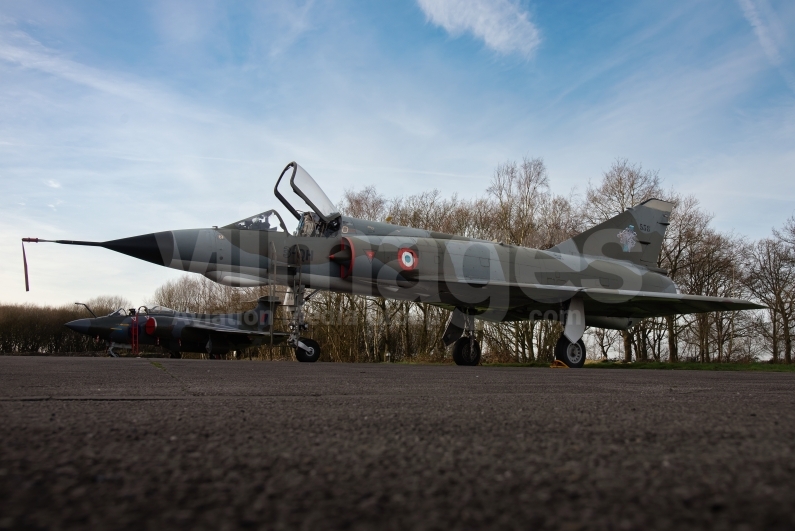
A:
(52, 183)
(770, 35)
(501, 24)
(215, 110)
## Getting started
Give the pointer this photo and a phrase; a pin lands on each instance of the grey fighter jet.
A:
(178, 332)
(605, 277)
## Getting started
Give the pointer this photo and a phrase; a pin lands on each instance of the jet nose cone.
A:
(156, 247)
(80, 325)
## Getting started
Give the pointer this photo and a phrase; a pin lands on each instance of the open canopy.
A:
(307, 189)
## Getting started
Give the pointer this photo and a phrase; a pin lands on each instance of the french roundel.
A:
(407, 259)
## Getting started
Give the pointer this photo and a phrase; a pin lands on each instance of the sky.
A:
(125, 118)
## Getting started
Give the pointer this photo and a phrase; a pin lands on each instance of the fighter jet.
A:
(178, 332)
(604, 277)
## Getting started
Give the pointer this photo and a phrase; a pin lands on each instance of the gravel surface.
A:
(152, 444)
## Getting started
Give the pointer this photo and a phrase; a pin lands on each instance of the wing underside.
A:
(623, 303)
(516, 301)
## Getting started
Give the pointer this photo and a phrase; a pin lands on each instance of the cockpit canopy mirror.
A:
(307, 189)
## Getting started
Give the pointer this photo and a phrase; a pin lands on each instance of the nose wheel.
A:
(307, 350)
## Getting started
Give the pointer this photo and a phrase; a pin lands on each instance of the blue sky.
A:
(121, 118)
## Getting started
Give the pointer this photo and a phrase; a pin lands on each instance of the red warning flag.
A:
(25, 263)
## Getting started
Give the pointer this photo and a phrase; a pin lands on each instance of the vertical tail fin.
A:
(264, 306)
(635, 235)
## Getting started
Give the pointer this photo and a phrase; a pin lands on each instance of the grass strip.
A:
(694, 366)
(660, 366)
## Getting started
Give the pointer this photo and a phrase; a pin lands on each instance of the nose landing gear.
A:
(306, 350)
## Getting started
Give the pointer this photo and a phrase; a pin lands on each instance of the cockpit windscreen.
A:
(269, 220)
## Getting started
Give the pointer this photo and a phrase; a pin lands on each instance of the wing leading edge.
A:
(648, 304)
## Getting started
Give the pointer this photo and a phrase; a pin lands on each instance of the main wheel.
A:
(310, 355)
(466, 351)
(572, 354)
(175, 355)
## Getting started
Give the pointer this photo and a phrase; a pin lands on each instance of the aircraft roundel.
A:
(407, 259)
(151, 326)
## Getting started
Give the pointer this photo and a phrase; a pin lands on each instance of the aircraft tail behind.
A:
(264, 313)
(635, 235)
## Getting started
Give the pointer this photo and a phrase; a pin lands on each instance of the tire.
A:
(462, 355)
(572, 354)
(175, 355)
(310, 356)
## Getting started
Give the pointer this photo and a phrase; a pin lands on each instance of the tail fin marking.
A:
(635, 235)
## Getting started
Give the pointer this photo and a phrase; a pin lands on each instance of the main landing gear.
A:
(466, 350)
(460, 333)
(570, 349)
(572, 354)
(306, 350)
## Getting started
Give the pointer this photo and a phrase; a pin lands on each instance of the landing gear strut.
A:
(567, 350)
(111, 346)
(306, 350)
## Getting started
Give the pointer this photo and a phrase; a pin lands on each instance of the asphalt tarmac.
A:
(137, 444)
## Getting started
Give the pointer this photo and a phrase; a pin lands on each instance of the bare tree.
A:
(687, 225)
(770, 277)
(622, 186)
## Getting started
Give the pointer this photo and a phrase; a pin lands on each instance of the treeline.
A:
(28, 328)
(519, 208)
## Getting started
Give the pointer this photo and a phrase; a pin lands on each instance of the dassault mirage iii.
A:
(604, 277)
(178, 332)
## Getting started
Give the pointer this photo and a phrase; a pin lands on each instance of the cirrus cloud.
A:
(772, 38)
(501, 24)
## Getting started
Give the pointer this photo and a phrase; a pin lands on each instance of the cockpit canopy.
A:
(307, 189)
(269, 220)
(160, 309)
(123, 312)
(321, 219)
